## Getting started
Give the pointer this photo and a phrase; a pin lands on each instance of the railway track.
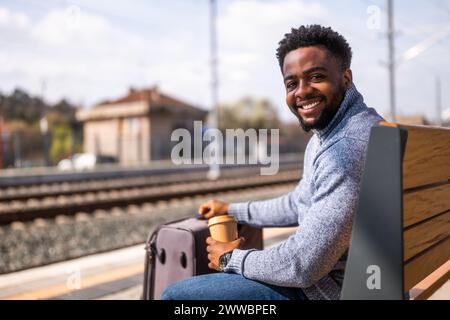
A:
(43, 241)
(90, 198)
(35, 177)
(71, 188)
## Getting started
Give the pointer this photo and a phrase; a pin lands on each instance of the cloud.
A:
(249, 32)
(96, 51)
(71, 27)
(82, 57)
(87, 57)
(12, 20)
(250, 25)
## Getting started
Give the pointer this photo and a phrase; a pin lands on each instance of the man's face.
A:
(315, 85)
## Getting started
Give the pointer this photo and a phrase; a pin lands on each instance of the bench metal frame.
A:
(377, 234)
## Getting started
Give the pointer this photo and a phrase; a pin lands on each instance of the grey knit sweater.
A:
(322, 205)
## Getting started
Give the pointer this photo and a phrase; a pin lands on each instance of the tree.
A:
(22, 114)
(248, 113)
(261, 114)
(21, 106)
(61, 146)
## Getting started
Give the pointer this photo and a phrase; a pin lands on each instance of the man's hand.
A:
(216, 248)
(213, 208)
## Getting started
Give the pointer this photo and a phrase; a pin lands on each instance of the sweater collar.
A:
(351, 98)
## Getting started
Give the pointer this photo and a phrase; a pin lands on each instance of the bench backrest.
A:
(401, 230)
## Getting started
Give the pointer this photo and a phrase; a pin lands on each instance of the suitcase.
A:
(177, 250)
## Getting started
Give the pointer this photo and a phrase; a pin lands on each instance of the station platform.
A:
(112, 275)
(115, 275)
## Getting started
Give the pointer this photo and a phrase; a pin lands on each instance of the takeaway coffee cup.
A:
(223, 228)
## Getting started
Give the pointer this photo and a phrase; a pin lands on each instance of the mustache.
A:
(311, 97)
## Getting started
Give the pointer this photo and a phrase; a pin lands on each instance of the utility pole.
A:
(44, 125)
(17, 145)
(391, 57)
(438, 101)
(1, 142)
(214, 168)
(417, 50)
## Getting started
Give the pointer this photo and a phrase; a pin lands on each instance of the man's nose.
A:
(303, 90)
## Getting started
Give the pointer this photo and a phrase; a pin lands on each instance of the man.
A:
(315, 64)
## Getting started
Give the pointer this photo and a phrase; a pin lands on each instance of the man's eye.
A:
(290, 85)
(316, 77)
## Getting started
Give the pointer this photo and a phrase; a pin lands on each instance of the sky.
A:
(89, 51)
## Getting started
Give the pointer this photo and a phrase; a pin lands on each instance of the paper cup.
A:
(223, 228)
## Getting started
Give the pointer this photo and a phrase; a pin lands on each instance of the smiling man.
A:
(315, 82)
(315, 65)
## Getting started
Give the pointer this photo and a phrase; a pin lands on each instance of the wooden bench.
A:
(401, 231)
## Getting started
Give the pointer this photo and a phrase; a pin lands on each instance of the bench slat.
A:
(424, 264)
(425, 288)
(424, 204)
(424, 235)
(427, 156)
(403, 220)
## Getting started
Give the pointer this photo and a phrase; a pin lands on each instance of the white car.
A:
(78, 162)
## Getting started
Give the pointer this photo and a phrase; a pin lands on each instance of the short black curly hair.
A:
(315, 35)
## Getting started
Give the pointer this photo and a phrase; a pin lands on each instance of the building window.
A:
(133, 125)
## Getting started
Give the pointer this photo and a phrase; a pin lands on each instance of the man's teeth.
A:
(311, 105)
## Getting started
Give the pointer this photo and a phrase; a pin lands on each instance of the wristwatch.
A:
(224, 259)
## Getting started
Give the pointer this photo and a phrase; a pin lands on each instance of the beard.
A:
(328, 113)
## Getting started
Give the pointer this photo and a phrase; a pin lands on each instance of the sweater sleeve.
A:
(281, 211)
(324, 233)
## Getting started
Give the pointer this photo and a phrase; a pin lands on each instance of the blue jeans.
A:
(228, 286)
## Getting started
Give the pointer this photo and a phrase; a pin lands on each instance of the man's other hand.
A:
(216, 248)
(213, 208)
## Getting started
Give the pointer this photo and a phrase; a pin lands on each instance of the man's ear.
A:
(348, 78)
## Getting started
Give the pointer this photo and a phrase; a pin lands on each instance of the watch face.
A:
(223, 260)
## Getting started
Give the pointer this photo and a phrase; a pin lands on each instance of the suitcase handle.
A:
(162, 256)
(183, 260)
